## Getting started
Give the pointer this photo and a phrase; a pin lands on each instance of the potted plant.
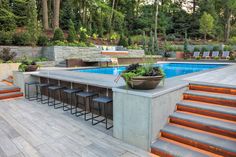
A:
(179, 52)
(167, 48)
(28, 66)
(143, 76)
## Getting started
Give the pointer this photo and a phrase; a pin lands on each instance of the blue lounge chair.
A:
(196, 54)
(225, 54)
(206, 54)
(215, 54)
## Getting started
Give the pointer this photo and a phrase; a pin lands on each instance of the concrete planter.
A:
(179, 55)
(6, 69)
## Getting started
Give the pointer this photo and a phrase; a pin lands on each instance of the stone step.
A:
(169, 148)
(208, 109)
(216, 88)
(210, 97)
(9, 89)
(11, 95)
(214, 125)
(201, 140)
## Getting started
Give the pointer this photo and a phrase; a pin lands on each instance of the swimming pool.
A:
(170, 69)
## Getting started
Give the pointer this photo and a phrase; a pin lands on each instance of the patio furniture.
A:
(97, 105)
(86, 101)
(28, 90)
(39, 92)
(206, 54)
(225, 54)
(52, 93)
(215, 54)
(70, 94)
(196, 54)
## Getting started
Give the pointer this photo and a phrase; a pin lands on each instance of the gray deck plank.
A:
(27, 149)
(6, 145)
(33, 129)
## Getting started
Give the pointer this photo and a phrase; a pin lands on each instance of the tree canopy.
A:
(126, 17)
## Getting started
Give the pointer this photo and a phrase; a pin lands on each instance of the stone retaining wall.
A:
(61, 53)
(27, 51)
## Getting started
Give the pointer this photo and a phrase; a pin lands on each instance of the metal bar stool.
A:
(105, 101)
(39, 92)
(69, 99)
(27, 90)
(52, 91)
(86, 100)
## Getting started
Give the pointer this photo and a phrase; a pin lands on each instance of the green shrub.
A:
(43, 40)
(216, 58)
(83, 34)
(7, 20)
(40, 59)
(90, 44)
(95, 36)
(82, 44)
(198, 57)
(134, 47)
(228, 48)
(123, 42)
(130, 42)
(72, 35)
(114, 36)
(231, 58)
(58, 35)
(137, 39)
(5, 38)
(21, 39)
(196, 49)
(170, 37)
(216, 48)
(204, 49)
(6, 55)
(232, 41)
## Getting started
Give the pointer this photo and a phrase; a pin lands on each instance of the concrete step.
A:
(216, 88)
(210, 124)
(168, 148)
(208, 109)
(11, 95)
(205, 141)
(9, 89)
(210, 97)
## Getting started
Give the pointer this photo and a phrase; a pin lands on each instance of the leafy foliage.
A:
(6, 55)
(21, 39)
(5, 38)
(42, 40)
(135, 70)
(206, 24)
(72, 35)
(123, 41)
(58, 35)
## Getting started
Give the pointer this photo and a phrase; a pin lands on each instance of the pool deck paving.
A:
(225, 76)
(30, 129)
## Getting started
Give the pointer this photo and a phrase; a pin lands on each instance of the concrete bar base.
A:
(138, 116)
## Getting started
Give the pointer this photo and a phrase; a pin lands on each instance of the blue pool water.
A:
(170, 69)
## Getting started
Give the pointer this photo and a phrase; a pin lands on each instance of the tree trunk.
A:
(155, 29)
(205, 35)
(56, 13)
(228, 26)
(194, 6)
(111, 17)
(45, 14)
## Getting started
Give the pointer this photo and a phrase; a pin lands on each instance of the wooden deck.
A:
(30, 129)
